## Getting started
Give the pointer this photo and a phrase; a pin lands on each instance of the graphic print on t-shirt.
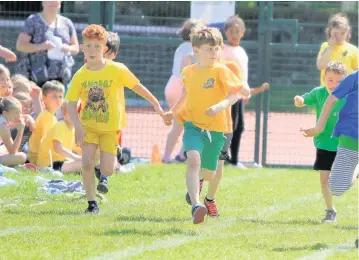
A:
(96, 106)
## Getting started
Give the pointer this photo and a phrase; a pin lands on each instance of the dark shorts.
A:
(57, 165)
(324, 160)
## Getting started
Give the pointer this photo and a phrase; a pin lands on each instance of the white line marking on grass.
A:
(327, 252)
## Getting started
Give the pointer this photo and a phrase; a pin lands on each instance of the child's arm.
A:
(29, 122)
(262, 88)
(327, 109)
(79, 131)
(299, 101)
(146, 94)
(58, 147)
(7, 54)
(36, 100)
(219, 107)
(12, 146)
(324, 56)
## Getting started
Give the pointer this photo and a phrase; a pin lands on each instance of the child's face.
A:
(110, 55)
(93, 50)
(53, 100)
(26, 106)
(13, 115)
(207, 55)
(234, 34)
(339, 34)
(332, 80)
(5, 85)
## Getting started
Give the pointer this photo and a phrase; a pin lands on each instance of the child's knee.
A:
(107, 171)
(193, 160)
(22, 157)
(88, 165)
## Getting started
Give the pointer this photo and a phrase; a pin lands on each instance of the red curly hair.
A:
(95, 31)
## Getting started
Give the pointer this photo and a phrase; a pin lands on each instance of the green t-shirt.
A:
(317, 98)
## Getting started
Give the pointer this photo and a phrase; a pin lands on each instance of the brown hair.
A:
(95, 31)
(336, 67)
(234, 20)
(338, 21)
(206, 35)
(188, 26)
(8, 103)
(21, 85)
(21, 96)
(113, 42)
(52, 85)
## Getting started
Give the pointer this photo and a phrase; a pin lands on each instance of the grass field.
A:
(265, 214)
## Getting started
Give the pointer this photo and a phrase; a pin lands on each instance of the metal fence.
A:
(282, 41)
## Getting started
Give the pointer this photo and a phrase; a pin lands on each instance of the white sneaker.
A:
(241, 166)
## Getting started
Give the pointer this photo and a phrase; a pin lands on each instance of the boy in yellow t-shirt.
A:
(99, 84)
(57, 146)
(337, 48)
(53, 95)
(207, 86)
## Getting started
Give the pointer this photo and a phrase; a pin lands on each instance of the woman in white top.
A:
(174, 87)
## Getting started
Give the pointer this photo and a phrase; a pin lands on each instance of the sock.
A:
(209, 199)
(103, 177)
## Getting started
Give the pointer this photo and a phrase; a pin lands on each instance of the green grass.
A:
(265, 214)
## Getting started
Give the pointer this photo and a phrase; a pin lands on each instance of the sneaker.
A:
(241, 166)
(102, 186)
(330, 217)
(188, 198)
(356, 243)
(97, 173)
(211, 208)
(198, 213)
(92, 208)
(180, 158)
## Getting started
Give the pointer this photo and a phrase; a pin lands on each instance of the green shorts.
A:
(208, 143)
(348, 143)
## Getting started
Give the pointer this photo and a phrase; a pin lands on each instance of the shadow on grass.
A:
(281, 222)
(134, 231)
(142, 218)
(314, 247)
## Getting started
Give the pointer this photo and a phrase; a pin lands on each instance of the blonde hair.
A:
(234, 20)
(9, 103)
(4, 69)
(206, 35)
(21, 96)
(337, 67)
(338, 21)
(188, 26)
(21, 85)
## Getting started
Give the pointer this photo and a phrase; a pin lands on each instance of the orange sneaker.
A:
(211, 208)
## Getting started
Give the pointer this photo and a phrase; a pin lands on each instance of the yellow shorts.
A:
(107, 141)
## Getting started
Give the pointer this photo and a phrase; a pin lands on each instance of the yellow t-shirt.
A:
(102, 95)
(206, 87)
(61, 133)
(345, 53)
(43, 123)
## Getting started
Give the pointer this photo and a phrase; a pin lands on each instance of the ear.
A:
(195, 50)
(82, 47)
(105, 49)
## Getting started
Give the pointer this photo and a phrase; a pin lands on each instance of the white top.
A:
(237, 54)
(182, 51)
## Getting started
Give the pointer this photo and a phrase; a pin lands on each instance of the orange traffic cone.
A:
(156, 155)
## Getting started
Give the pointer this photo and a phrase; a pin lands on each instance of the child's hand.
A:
(213, 110)
(79, 136)
(20, 124)
(35, 92)
(167, 118)
(264, 86)
(8, 55)
(310, 132)
(30, 122)
(298, 101)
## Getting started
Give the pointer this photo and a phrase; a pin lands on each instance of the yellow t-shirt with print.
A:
(346, 53)
(102, 95)
(59, 132)
(206, 87)
(43, 123)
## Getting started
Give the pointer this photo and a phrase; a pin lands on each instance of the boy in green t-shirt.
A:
(325, 144)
